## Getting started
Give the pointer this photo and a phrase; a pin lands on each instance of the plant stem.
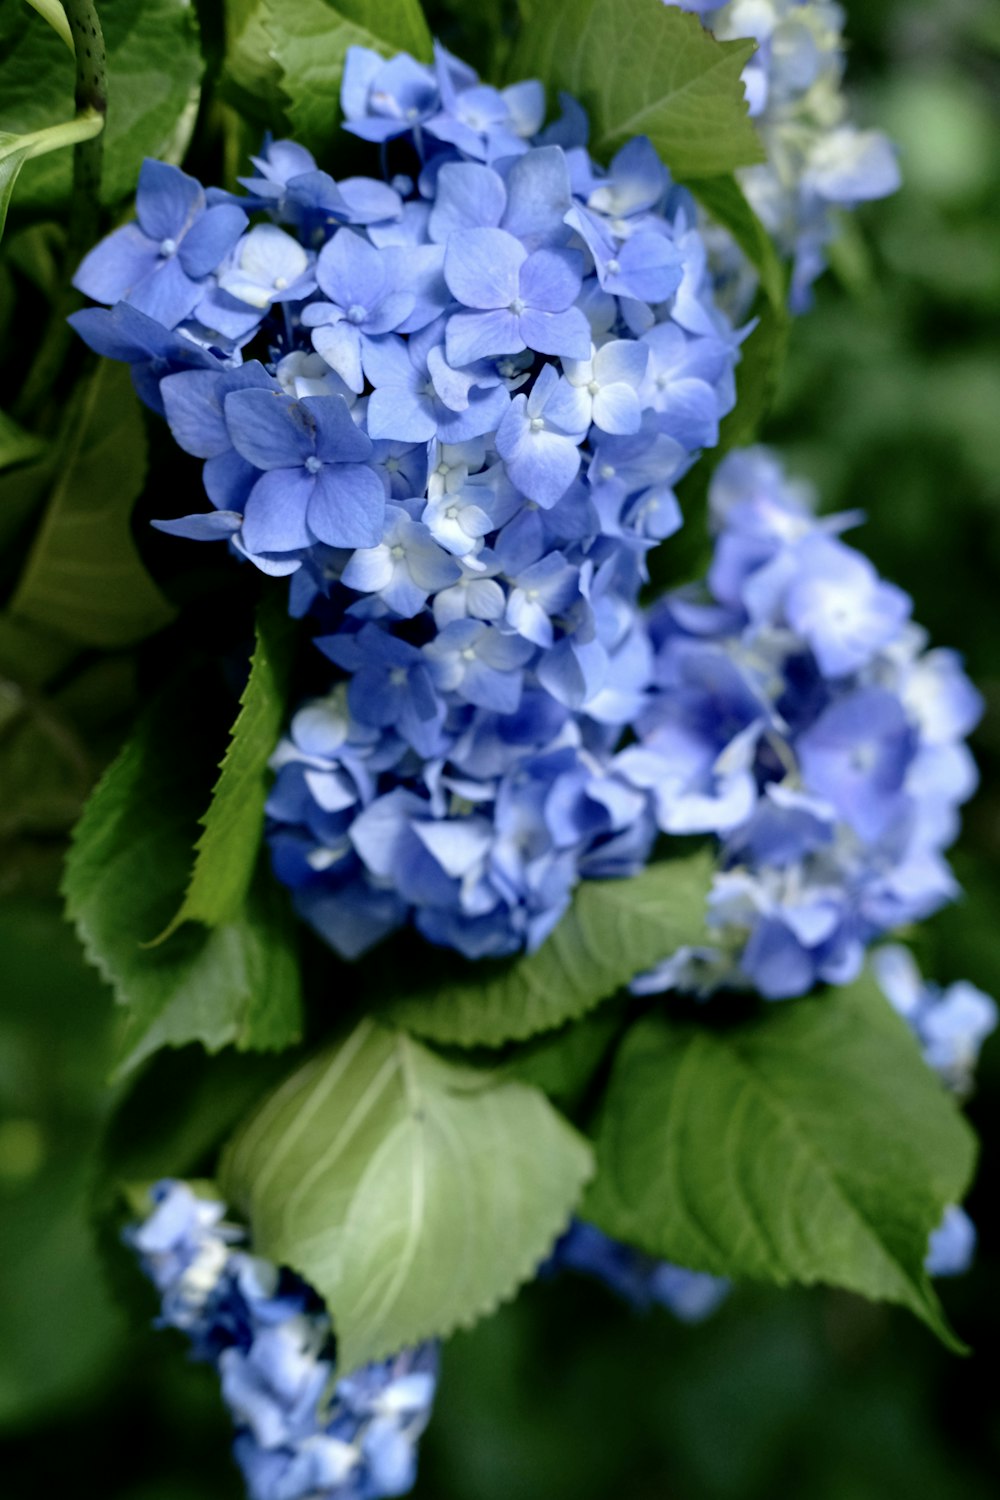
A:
(91, 97)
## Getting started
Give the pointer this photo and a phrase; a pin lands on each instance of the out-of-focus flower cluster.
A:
(302, 1433)
(817, 160)
(638, 1279)
(950, 1025)
(452, 405)
(799, 716)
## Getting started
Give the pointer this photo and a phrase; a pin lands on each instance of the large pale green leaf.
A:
(13, 156)
(414, 1194)
(613, 930)
(131, 855)
(84, 576)
(811, 1145)
(641, 68)
(251, 75)
(226, 853)
(154, 74)
(309, 41)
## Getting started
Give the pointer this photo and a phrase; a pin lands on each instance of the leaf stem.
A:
(86, 135)
(52, 11)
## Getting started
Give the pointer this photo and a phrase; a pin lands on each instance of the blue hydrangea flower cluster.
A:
(817, 160)
(302, 1433)
(451, 406)
(799, 717)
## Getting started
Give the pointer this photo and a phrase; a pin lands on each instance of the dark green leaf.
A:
(236, 983)
(565, 1063)
(763, 354)
(16, 445)
(811, 1145)
(640, 68)
(310, 39)
(725, 201)
(59, 1327)
(614, 930)
(226, 853)
(31, 655)
(415, 1195)
(154, 73)
(84, 576)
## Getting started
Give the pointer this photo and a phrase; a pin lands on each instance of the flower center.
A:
(313, 464)
(593, 387)
(517, 306)
(356, 313)
(397, 676)
(536, 424)
(279, 283)
(397, 552)
(168, 247)
(613, 268)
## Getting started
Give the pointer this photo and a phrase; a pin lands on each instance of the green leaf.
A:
(565, 1063)
(415, 1195)
(640, 68)
(811, 1145)
(310, 39)
(154, 75)
(16, 445)
(763, 354)
(30, 655)
(226, 853)
(84, 576)
(60, 1328)
(251, 75)
(614, 930)
(758, 374)
(725, 201)
(237, 983)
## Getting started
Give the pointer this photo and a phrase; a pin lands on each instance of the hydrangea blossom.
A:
(452, 407)
(817, 160)
(640, 1280)
(951, 1024)
(301, 1433)
(798, 716)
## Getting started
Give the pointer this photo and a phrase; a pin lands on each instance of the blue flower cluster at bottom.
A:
(302, 1432)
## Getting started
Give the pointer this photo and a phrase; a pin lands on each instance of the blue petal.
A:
(347, 506)
(275, 516)
(167, 200)
(211, 238)
(269, 429)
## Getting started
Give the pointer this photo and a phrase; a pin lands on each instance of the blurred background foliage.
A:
(890, 401)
